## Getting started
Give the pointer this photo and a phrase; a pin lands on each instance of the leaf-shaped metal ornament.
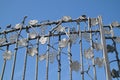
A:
(117, 39)
(2, 40)
(32, 35)
(32, 51)
(73, 37)
(42, 57)
(75, 66)
(43, 30)
(97, 46)
(52, 56)
(7, 55)
(99, 62)
(110, 48)
(115, 24)
(60, 29)
(33, 22)
(112, 32)
(66, 18)
(115, 73)
(63, 43)
(22, 42)
(94, 21)
(108, 32)
(18, 26)
(82, 17)
(86, 36)
(13, 38)
(43, 40)
(88, 53)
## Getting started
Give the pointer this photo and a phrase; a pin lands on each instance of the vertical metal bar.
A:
(91, 43)
(81, 54)
(103, 42)
(59, 60)
(25, 58)
(3, 70)
(25, 64)
(47, 60)
(69, 56)
(15, 55)
(37, 58)
(4, 64)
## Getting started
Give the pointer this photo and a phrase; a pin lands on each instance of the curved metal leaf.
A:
(99, 61)
(88, 53)
(32, 51)
(117, 39)
(94, 21)
(60, 29)
(73, 37)
(13, 37)
(33, 22)
(2, 40)
(75, 66)
(43, 40)
(97, 46)
(22, 42)
(7, 55)
(32, 35)
(115, 24)
(63, 43)
(66, 18)
(86, 36)
(110, 48)
(18, 26)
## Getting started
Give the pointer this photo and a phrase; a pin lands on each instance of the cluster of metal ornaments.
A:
(72, 37)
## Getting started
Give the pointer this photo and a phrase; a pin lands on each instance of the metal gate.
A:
(65, 49)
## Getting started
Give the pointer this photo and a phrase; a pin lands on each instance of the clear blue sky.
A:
(13, 11)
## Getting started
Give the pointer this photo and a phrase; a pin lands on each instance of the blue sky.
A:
(13, 11)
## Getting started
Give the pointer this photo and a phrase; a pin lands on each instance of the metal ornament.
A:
(97, 46)
(43, 40)
(110, 48)
(75, 66)
(99, 62)
(13, 38)
(94, 21)
(115, 74)
(32, 51)
(115, 24)
(22, 42)
(117, 39)
(63, 43)
(7, 55)
(86, 36)
(2, 40)
(33, 22)
(66, 18)
(60, 29)
(73, 37)
(32, 35)
(108, 32)
(88, 53)
(18, 26)
(52, 57)
(42, 57)
(82, 17)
